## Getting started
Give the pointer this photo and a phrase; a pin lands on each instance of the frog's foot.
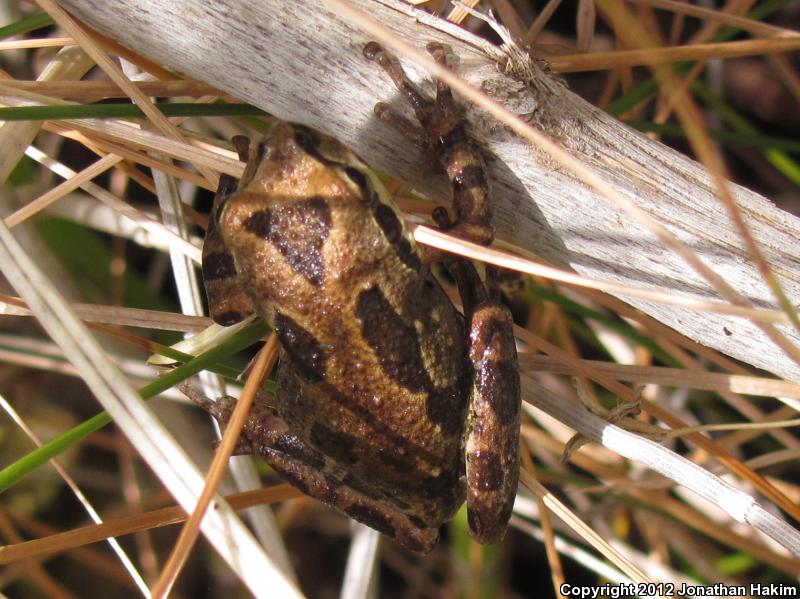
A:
(268, 435)
(443, 133)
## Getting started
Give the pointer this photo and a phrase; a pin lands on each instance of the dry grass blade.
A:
(82, 499)
(709, 381)
(589, 535)
(657, 411)
(48, 42)
(94, 91)
(73, 182)
(738, 504)
(121, 401)
(132, 155)
(723, 18)
(263, 364)
(124, 525)
(360, 572)
(31, 569)
(115, 74)
(571, 63)
(142, 220)
(443, 241)
(119, 316)
(69, 64)
(133, 135)
(544, 16)
(553, 559)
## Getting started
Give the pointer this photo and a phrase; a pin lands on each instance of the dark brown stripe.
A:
(447, 142)
(396, 461)
(494, 355)
(392, 340)
(475, 522)
(445, 408)
(306, 353)
(360, 486)
(309, 141)
(437, 487)
(218, 265)
(298, 231)
(388, 222)
(329, 493)
(226, 186)
(498, 383)
(241, 143)
(293, 478)
(392, 228)
(360, 179)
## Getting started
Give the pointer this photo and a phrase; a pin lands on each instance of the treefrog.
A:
(390, 406)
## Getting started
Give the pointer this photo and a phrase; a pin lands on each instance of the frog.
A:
(391, 406)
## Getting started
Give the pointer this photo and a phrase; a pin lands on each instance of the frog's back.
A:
(374, 366)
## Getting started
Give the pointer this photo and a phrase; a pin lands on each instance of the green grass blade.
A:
(13, 473)
(621, 327)
(25, 25)
(776, 156)
(646, 89)
(745, 139)
(115, 111)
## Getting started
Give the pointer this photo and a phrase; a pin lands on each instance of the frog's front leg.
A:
(443, 133)
(268, 435)
(492, 428)
(228, 303)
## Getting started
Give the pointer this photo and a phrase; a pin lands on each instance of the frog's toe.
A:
(402, 125)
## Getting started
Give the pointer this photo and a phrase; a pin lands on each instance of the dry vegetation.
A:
(119, 233)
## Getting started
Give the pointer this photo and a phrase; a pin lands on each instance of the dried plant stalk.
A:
(301, 62)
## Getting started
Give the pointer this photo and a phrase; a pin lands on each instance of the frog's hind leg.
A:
(492, 440)
(444, 135)
(492, 436)
(492, 444)
(268, 435)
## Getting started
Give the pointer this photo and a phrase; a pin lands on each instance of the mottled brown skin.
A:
(386, 408)
(492, 427)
